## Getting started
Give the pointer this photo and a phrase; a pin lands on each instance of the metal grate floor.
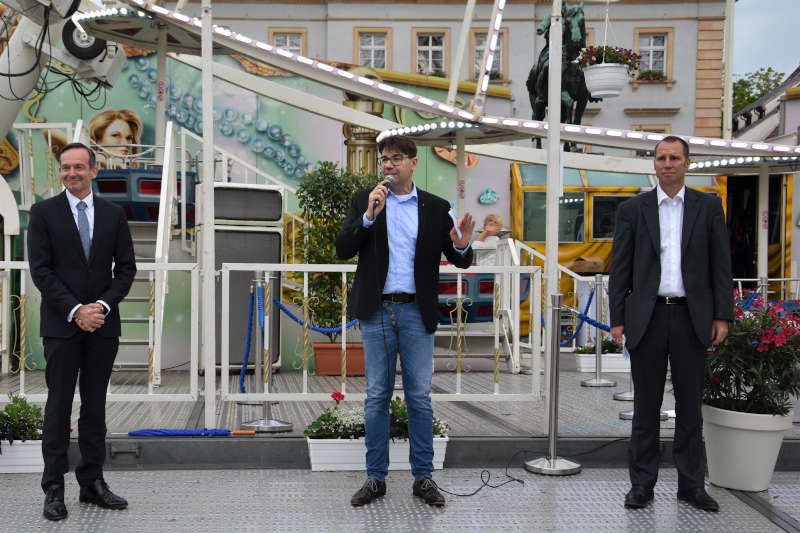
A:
(301, 501)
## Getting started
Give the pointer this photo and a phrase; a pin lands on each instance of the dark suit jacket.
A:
(636, 264)
(63, 275)
(372, 246)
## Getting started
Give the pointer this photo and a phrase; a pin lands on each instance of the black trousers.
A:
(670, 336)
(87, 357)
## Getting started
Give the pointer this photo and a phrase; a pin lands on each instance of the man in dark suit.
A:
(395, 297)
(671, 296)
(73, 241)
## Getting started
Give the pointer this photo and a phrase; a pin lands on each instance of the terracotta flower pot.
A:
(328, 357)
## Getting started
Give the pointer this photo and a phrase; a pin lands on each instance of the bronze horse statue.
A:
(574, 94)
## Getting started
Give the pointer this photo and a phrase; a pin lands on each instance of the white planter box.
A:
(329, 455)
(612, 362)
(21, 457)
(742, 448)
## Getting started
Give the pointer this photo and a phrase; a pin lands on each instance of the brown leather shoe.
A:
(638, 497)
(428, 491)
(699, 499)
(371, 489)
(98, 493)
(54, 508)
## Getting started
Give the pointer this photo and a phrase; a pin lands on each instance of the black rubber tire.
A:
(73, 8)
(85, 49)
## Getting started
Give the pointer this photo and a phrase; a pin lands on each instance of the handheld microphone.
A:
(387, 180)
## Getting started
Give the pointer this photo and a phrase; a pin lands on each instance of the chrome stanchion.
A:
(597, 380)
(552, 465)
(628, 415)
(266, 424)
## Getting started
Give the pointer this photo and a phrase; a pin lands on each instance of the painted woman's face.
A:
(118, 132)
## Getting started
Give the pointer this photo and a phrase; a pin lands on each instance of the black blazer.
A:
(433, 238)
(63, 275)
(636, 264)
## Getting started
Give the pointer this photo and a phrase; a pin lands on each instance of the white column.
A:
(727, 88)
(206, 222)
(763, 221)
(161, 92)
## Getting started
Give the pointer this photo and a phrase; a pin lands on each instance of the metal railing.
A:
(304, 394)
(152, 395)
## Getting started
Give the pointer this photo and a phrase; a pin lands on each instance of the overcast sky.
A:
(766, 35)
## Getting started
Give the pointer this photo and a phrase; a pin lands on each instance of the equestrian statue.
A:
(574, 94)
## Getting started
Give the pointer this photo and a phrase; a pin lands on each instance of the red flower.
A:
(337, 397)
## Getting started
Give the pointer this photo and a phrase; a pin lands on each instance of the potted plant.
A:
(21, 428)
(336, 438)
(613, 358)
(651, 75)
(324, 198)
(607, 68)
(749, 381)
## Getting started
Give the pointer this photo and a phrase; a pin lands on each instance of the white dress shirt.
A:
(670, 222)
(73, 206)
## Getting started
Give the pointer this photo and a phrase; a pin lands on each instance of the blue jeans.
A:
(391, 329)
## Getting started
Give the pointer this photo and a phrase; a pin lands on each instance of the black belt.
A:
(671, 300)
(398, 297)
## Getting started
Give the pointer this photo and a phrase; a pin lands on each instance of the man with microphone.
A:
(399, 233)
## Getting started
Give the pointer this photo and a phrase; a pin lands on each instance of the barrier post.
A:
(598, 380)
(552, 465)
(264, 380)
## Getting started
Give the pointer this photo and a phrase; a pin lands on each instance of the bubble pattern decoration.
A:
(265, 139)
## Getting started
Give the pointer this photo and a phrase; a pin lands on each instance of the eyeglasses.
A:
(395, 159)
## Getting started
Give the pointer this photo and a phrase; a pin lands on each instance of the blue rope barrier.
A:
(260, 292)
(749, 302)
(179, 433)
(313, 328)
(580, 324)
(243, 371)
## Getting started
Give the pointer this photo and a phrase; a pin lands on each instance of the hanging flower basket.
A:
(606, 69)
(605, 80)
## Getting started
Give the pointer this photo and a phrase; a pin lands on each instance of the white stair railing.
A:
(166, 206)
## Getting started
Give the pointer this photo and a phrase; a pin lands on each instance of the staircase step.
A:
(136, 299)
(133, 342)
(134, 320)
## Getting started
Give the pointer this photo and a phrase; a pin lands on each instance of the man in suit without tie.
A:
(399, 233)
(74, 238)
(672, 296)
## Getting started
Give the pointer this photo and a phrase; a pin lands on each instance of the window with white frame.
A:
(372, 49)
(653, 49)
(479, 43)
(431, 53)
(291, 41)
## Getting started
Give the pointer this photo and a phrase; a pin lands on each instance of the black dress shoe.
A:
(371, 489)
(428, 491)
(638, 497)
(54, 508)
(699, 499)
(98, 493)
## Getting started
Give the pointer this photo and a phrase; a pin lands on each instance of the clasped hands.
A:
(89, 317)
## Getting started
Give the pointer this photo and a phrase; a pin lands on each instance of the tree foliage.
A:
(748, 88)
(324, 199)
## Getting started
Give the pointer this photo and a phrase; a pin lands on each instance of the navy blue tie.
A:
(83, 228)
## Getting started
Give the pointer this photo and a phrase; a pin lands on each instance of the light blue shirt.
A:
(402, 226)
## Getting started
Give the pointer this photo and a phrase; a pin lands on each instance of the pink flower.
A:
(337, 397)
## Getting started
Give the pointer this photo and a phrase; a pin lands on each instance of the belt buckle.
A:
(671, 300)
